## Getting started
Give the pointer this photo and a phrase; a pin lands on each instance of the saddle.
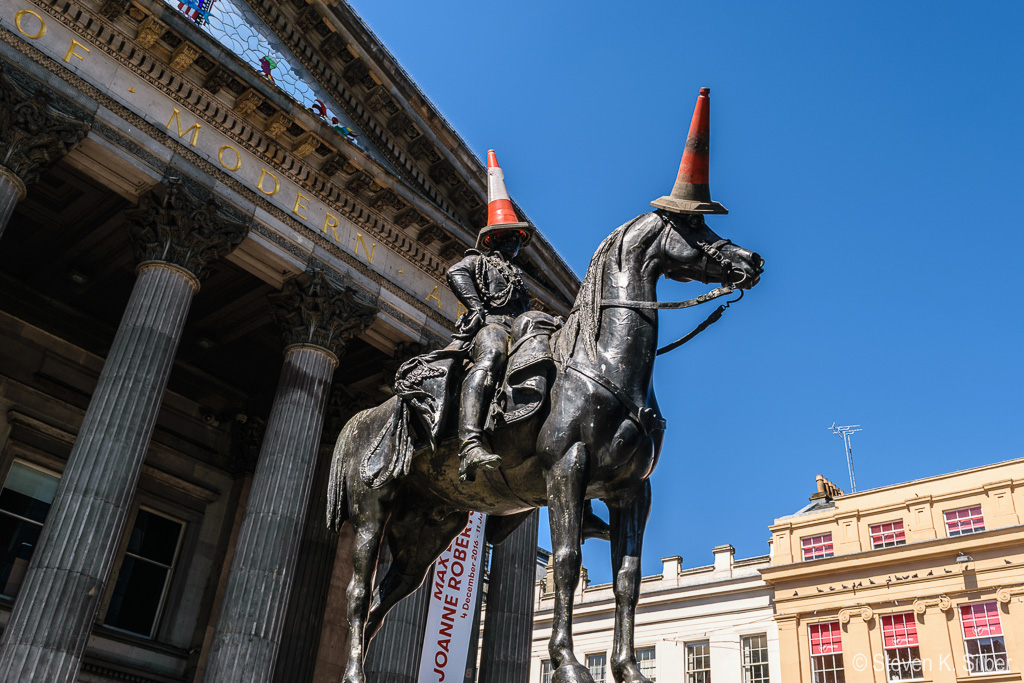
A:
(427, 387)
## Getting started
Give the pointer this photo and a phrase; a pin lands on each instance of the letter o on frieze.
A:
(238, 158)
(18, 16)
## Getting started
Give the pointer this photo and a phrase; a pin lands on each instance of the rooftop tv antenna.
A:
(846, 432)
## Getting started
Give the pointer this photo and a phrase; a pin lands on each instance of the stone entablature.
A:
(360, 221)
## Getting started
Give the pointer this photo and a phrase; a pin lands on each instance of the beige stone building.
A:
(709, 623)
(917, 581)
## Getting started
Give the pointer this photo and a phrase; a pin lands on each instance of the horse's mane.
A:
(584, 321)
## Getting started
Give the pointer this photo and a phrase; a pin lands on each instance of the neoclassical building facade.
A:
(222, 228)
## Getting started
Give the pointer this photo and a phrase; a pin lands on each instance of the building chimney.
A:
(825, 489)
(670, 567)
(724, 556)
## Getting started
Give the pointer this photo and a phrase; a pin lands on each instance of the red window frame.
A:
(984, 644)
(887, 534)
(981, 619)
(899, 630)
(968, 520)
(817, 547)
(826, 638)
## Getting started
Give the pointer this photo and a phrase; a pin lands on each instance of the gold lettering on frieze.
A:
(435, 296)
(71, 52)
(332, 223)
(220, 156)
(368, 252)
(299, 205)
(20, 14)
(259, 183)
(194, 129)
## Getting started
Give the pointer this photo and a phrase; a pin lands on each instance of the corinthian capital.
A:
(310, 310)
(36, 128)
(174, 227)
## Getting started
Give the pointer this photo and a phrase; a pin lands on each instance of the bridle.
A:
(711, 252)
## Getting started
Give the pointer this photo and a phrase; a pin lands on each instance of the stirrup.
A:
(474, 458)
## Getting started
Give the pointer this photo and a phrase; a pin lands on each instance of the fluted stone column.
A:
(317, 320)
(174, 238)
(394, 655)
(36, 132)
(509, 623)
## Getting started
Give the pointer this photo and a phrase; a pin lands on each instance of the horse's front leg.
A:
(627, 519)
(566, 490)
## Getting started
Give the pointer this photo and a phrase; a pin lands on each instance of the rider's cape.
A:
(427, 387)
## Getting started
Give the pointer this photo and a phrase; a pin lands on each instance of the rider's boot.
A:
(477, 393)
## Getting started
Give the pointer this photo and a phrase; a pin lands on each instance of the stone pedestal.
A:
(509, 622)
(317, 320)
(54, 611)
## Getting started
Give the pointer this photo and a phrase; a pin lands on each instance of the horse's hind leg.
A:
(628, 519)
(566, 489)
(368, 518)
(416, 539)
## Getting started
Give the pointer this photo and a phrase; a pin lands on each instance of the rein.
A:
(710, 252)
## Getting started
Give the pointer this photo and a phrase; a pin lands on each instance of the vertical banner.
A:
(455, 585)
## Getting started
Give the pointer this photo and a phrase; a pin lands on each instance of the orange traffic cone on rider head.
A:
(691, 193)
(501, 215)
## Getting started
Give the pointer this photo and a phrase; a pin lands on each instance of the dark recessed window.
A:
(24, 502)
(145, 574)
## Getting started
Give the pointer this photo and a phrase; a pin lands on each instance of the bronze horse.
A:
(599, 438)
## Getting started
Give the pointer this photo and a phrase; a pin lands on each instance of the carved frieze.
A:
(36, 128)
(175, 227)
(311, 310)
(358, 73)
(332, 46)
(334, 164)
(277, 124)
(247, 102)
(308, 19)
(431, 233)
(363, 183)
(443, 173)
(306, 145)
(401, 124)
(381, 101)
(466, 197)
(149, 32)
(408, 217)
(112, 9)
(184, 55)
(387, 200)
(421, 149)
(452, 251)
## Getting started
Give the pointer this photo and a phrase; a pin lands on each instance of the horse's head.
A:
(692, 251)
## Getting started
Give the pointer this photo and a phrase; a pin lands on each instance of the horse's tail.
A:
(337, 503)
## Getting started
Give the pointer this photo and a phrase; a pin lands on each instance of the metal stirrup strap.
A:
(647, 418)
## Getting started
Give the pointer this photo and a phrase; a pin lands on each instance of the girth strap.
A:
(646, 418)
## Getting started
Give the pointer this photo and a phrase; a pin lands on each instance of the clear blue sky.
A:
(871, 152)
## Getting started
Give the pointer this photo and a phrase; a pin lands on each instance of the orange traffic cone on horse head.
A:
(501, 215)
(691, 193)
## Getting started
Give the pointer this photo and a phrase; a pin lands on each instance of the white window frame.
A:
(889, 539)
(546, 672)
(747, 667)
(1001, 660)
(651, 670)
(693, 674)
(826, 666)
(167, 579)
(603, 664)
(903, 662)
(819, 544)
(968, 509)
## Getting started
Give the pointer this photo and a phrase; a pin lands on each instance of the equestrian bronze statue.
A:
(571, 413)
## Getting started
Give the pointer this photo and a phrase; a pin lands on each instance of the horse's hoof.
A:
(572, 673)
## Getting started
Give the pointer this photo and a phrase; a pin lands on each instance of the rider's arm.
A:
(463, 284)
